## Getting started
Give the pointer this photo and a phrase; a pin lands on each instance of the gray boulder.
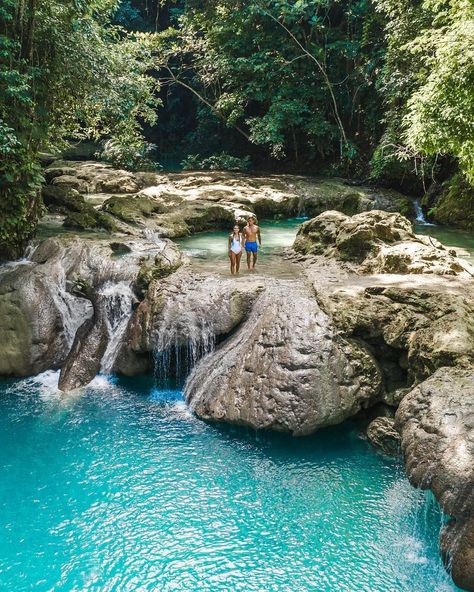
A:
(284, 369)
(83, 361)
(436, 423)
(382, 434)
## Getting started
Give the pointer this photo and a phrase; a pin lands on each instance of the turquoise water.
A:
(461, 240)
(209, 250)
(120, 488)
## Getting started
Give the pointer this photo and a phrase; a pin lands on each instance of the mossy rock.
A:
(202, 217)
(62, 199)
(406, 207)
(132, 208)
(453, 204)
(89, 219)
(155, 270)
(268, 208)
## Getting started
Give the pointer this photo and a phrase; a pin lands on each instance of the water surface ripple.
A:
(120, 488)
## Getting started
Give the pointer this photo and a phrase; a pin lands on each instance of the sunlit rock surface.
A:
(179, 204)
(378, 242)
(436, 422)
(284, 369)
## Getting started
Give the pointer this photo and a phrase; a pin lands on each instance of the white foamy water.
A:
(118, 303)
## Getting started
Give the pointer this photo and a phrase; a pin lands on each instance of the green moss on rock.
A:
(453, 205)
(132, 208)
(155, 270)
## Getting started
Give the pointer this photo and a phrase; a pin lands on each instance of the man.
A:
(251, 232)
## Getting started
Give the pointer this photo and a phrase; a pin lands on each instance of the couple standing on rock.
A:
(246, 240)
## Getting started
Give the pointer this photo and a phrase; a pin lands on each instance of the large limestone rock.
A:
(378, 242)
(436, 422)
(185, 310)
(91, 177)
(38, 318)
(178, 204)
(83, 361)
(414, 329)
(40, 314)
(284, 369)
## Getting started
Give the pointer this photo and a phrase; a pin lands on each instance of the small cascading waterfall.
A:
(117, 300)
(154, 237)
(73, 310)
(180, 345)
(301, 213)
(420, 216)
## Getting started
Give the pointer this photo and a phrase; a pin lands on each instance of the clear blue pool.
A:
(119, 488)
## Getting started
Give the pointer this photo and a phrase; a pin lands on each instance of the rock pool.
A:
(121, 488)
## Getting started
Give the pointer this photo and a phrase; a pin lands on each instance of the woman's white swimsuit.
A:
(236, 246)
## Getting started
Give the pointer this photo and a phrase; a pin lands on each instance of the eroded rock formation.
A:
(436, 422)
(178, 204)
(40, 313)
(285, 369)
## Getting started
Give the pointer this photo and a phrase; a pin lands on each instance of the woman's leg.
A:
(237, 262)
(232, 262)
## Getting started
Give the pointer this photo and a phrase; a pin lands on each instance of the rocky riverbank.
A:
(89, 195)
(376, 317)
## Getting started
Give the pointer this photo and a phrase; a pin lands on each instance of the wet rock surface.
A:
(187, 311)
(382, 434)
(83, 361)
(284, 369)
(40, 312)
(436, 422)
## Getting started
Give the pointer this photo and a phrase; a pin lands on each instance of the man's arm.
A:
(259, 236)
(244, 236)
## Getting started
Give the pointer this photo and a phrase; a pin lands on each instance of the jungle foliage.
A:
(66, 73)
(379, 89)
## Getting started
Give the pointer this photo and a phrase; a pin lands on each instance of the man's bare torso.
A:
(251, 232)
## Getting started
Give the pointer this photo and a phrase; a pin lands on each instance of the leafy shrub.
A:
(133, 156)
(216, 162)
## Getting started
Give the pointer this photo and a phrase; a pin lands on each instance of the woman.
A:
(235, 249)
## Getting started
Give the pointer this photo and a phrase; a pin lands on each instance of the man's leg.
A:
(254, 260)
(249, 254)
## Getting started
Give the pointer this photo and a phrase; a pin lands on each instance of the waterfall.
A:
(301, 213)
(154, 237)
(73, 310)
(117, 300)
(420, 216)
(181, 343)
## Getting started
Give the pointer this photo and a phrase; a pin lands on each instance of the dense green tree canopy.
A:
(292, 77)
(379, 88)
(66, 72)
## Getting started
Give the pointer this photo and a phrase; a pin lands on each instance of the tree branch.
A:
(320, 67)
(216, 111)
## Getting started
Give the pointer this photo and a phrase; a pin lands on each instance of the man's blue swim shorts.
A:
(251, 247)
